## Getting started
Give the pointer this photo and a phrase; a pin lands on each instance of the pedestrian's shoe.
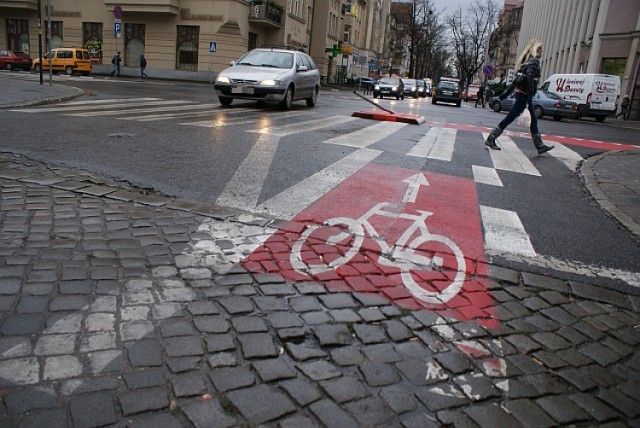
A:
(491, 139)
(541, 147)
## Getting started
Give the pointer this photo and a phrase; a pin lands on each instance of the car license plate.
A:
(247, 90)
(447, 92)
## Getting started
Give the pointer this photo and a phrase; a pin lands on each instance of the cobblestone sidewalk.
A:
(122, 308)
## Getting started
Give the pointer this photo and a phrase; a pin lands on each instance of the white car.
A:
(272, 75)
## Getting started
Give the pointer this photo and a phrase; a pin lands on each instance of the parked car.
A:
(270, 74)
(389, 86)
(447, 90)
(544, 104)
(69, 60)
(410, 87)
(365, 83)
(10, 60)
(471, 93)
(422, 88)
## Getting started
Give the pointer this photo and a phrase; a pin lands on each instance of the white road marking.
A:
(300, 196)
(368, 135)
(504, 232)
(142, 110)
(109, 101)
(262, 121)
(438, 143)
(567, 156)
(133, 104)
(511, 158)
(311, 125)
(165, 116)
(484, 175)
(254, 170)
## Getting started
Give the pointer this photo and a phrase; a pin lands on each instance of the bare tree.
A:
(430, 42)
(470, 30)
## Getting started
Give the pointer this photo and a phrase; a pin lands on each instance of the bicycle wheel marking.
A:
(414, 238)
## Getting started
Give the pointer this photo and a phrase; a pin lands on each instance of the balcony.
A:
(146, 6)
(265, 15)
(19, 4)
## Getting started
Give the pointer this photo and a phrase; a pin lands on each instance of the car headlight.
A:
(377, 87)
(395, 88)
(222, 79)
(268, 82)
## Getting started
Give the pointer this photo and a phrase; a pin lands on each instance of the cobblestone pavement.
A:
(123, 308)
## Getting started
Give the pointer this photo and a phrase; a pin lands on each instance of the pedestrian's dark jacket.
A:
(625, 103)
(531, 72)
(143, 62)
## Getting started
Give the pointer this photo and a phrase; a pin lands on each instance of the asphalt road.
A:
(265, 160)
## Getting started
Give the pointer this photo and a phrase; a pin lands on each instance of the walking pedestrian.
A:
(116, 61)
(624, 108)
(480, 98)
(525, 85)
(143, 65)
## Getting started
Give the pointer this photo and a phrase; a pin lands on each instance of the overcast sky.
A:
(450, 6)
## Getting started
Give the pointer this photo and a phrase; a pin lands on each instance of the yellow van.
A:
(69, 60)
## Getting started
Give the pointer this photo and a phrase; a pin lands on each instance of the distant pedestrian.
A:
(480, 98)
(143, 65)
(624, 108)
(116, 61)
(525, 85)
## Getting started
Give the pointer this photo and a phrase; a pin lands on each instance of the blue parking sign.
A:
(213, 47)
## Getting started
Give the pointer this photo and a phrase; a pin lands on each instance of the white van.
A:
(597, 95)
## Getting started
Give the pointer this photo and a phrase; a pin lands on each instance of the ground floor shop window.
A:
(187, 47)
(92, 40)
(18, 35)
(614, 66)
(56, 34)
(134, 44)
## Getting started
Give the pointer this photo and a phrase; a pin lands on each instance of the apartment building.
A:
(503, 43)
(588, 36)
(195, 39)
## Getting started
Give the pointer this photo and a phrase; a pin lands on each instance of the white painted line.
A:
(142, 110)
(244, 188)
(438, 143)
(109, 101)
(425, 145)
(311, 125)
(298, 197)
(165, 116)
(511, 158)
(484, 175)
(504, 232)
(261, 121)
(368, 135)
(565, 155)
(134, 103)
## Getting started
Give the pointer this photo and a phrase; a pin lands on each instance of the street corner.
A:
(412, 238)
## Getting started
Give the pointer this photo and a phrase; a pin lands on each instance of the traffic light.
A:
(335, 50)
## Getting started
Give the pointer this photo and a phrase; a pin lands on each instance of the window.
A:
(614, 66)
(253, 41)
(187, 47)
(296, 8)
(346, 34)
(133, 44)
(92, 39)
(56, 34)
(18, 35)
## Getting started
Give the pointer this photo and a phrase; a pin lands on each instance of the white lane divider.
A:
(120, 112)
(437, 143)
(511, 158)
(129, 104)
(567, 156)
(368, 135)
(311, 125)
(484, 175)
(504, 233)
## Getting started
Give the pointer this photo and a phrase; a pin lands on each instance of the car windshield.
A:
(409, 81)
(552, 95)
(448, 85)
(388, 82)
(267, 59)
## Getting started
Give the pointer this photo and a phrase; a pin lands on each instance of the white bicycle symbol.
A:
(347, 236)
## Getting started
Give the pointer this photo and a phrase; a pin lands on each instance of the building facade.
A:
(588, 36)
(503, 42)
(194, 39)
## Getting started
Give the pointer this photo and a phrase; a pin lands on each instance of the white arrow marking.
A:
(414, 182)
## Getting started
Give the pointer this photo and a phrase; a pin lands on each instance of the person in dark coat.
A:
(624, 108)
(480, 98)
(116, 61)
(143, 65)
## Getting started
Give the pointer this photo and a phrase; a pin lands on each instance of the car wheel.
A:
(538, 111)
(557, 117)
(9, 66)
(311, 101)
(225, 101)
(68, 70)
(496, 106)
(601, 118)
(285, 104)
(37, 68)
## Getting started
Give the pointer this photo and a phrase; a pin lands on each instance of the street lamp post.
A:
(40, 39)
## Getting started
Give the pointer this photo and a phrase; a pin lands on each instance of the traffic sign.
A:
(213, 47)
(117, 28)
(117, 11)
(487, 70)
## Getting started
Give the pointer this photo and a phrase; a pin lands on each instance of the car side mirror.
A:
(232, 63)
(303, 68)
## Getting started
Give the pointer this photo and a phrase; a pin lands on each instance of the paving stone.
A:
(455, 418)
(212, 324)
(347, 356)
(176, 327)
(550, 359)
(142, 400)
(55, 344)
(136, 330)
(87, 385)
(617, 399)
(257, 345)
(596, 408)
(533, 280)
(562, 409)
(415, 370)
(604, 377)
(303, 352)
(455, 362)
(188, 384)
(476, 386)
(167, 310)
(55, 418)
(248, 324)
(109, 361)
(284, 320)
(21, 324)
(222, 359)
(372, 314)
(370, 411)
(381, 353)
(333, 334)
(338, 301)
(573, 357)
(27, 400)
(270, 303)
(236, 304)
(19, 371)
(399, 399)
(441, 396)
(220, 342)
(273, 369)
(316, 318)
(61, 367)
(591, 292)
(491, 415)
(144, 378)
(370, 333)
(156, 420)
(344, 389)
(600, 354)
(201, 414)
(297, 421)
(319, 370)
(379, 374)
(528, 413)
(145, 353)
(545, 384)
(229, 378)
(527, 364)
(202, 308)
(32, 304)
(332, 416)
(261, 404)
(515, 388)
(344, 316)
(572, 335)
(92, 410)
(300, 390)
(551, 341)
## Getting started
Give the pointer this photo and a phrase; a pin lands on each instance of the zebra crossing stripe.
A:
(368, 135)
(73, 107)
(311, 125)
(511, 158)
(165, 116)
(567, 156)
(111, 101)
(300, 196)
(437, 143)
(484, 175)
(504, 232)
(143, 110)
(241, 120)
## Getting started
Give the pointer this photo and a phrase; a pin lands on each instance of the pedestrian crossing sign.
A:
(213, 47)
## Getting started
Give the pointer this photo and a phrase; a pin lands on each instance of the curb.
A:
(593, 186)
(48, 100)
